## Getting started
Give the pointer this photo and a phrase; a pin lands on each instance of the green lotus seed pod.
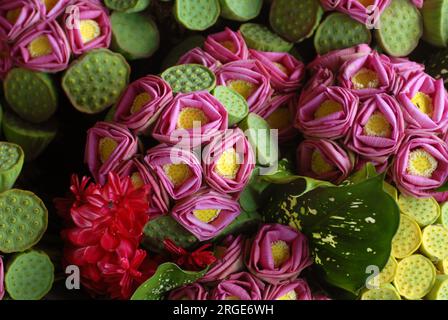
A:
(443, 219)
(197, 15)
(32, 138)
(424, 211)
(96, 80)
(407, 239)
(179, 50)
(165, 227)
(235, 104)
(295, 20)
(435, 21)
(240, 10)
(384, 292)
(339, 31)
(415, 277)
(400, 29)
(29, 276)
(259, 37)
(134, 35)
(32, 95)
(258, 132)
(442, 266)
(11, 163)
(435, 242)
(189, 78)
(440, 289)
(23, 220)
(128, 6)
(387, 274)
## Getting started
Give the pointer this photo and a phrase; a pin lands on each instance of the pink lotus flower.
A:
(366, 12)
(178, 170)
(378, 129)
(425, 103)
(327, 112)
(193, 291)
(228, 162)
(368, 75)
(324, 160)
(206, 213)
(230, 259)
(142, 102)
(277, 253)
(199, 56)
(108, 144)
(16, 16)
(5, 59)
(141, 175)
(286, 71)
(280, 113)
(250, 79)
(239, 286)
(92, 31)
(51, 9)
(2, 288)
(42, 48)
(226, 46)
(421, 164)
(294, 290)
(321, 77)
(191, 119)
(333, 60)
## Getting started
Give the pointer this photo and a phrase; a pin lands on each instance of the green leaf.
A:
(349, 227)
(366, 172)
(167, 277)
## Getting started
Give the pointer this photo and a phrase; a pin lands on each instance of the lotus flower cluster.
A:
(266, 266)
(42, 35)
(361, 106)
(364, 11)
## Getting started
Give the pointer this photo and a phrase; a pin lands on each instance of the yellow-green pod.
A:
(442, 266)
(443, 219)
(391, 190)
(424, 211)
(440, 289)
(407, 239)
(387, 274)
(435, 242)
(384, 292)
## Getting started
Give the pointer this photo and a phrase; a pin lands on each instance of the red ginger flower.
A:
(105, 226)
(196, 260)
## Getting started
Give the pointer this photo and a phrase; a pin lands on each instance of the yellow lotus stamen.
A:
(40, 47)
(140, 100)
(229, 46)
(244, 88)
(421, 163)
(190, 118)
(367, 3)
(423, 102)
(280, 252)
(137, 180)
(365, 79)
(206, 215)
(291, 295)
(227, 165)
(49, 4)
(280, 119)
(378, 126)
(89, 29)
(318, 163)
(177, 173)
(326, 108)
(13, 15)
(282, 68)
(106, 147)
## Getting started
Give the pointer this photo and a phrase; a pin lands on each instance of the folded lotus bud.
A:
(206, 213)
(108, 144)
(239, 286)
(193, 291)
(92, 30)
(178, 170)
(42, 48)
(324, 160)
(294, 290)
(16, 16)
(228, 162)
(226, 46)
(191, 119)
(364, 11)
(142, 102)
(250, 79)
(51, 9)
(286, 71)
(199, 56)
(277, 253)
